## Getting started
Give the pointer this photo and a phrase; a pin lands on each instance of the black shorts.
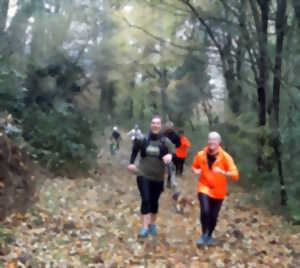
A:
(150, 191)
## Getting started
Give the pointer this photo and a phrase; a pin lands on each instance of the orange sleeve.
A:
(187, 143)
(232, 167)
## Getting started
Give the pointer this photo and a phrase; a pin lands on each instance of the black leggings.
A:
(210, 208)
(179, 163)
(150, 191)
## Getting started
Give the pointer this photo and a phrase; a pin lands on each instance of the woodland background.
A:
(70, 70)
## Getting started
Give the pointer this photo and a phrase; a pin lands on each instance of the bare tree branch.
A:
(228, 7)
(207, 27)
(168, 8)
(157, 71)
(162, 40)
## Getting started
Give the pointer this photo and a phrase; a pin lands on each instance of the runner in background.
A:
(175, 139)
(181, 152)
(115, 140)
(135, 134)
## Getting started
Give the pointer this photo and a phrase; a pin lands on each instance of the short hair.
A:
(181, 131)
(156, 117)
(215, 135)
(169, 124)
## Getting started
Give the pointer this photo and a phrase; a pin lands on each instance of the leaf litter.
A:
(94, 222)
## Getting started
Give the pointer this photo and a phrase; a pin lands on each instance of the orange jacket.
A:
(211, 183)
(181, 151)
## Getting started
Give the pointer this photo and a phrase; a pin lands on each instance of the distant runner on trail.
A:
(135, 134)
(155, 153)
(175, 139)
(214, 166)
(115, 139)
(181, 152)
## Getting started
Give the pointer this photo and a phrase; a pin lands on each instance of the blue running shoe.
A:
(175, 196)
(143, 232)
(210, 241)
(201, 241)
(152, 229)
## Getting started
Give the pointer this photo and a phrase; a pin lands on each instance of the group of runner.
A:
(159, 149)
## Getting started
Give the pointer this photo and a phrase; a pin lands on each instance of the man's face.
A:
(155, 125)
(213, 146)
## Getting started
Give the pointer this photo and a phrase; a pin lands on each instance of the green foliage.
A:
(12, 94)
(58, 138)
(239, 138)
(141, 65)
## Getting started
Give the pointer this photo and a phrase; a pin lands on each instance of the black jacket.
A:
(173, 137)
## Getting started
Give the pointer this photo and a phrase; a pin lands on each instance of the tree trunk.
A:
(240, 54)
(296, 4)
(163, 81)
(192, 125)
(3, 15)
(263, 70)
(142, 111)
(261, 20)
(262, 31)
(130, 108)
(226, 57)
(17, 30)
(233, 68)
(207, 107)
(229, 76)
(280, 32)
(107, 98)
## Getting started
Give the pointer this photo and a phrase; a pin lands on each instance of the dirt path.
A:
(94, 222)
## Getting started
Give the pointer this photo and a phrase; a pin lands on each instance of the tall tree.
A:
(280, 26)
(3, 15)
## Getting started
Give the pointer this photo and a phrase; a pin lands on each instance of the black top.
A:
(211, 159)
(141, 145)
(152, 149)
(115, 135)
(173, 137)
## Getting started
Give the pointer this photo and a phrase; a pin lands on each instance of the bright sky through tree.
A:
(11, 11)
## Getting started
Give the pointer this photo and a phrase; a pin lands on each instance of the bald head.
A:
(169, 125)
(214, 140)
(215, 136)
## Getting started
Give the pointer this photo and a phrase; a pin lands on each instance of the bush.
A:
(57, 138)
(12, 94)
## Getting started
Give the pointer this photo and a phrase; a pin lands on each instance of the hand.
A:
(132, 168)
(197, 171)
(219, 171)
(167, 159)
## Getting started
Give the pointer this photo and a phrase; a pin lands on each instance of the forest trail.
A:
(94, 221)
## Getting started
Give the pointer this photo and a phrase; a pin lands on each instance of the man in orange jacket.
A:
(181, 152)
(213, 166)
